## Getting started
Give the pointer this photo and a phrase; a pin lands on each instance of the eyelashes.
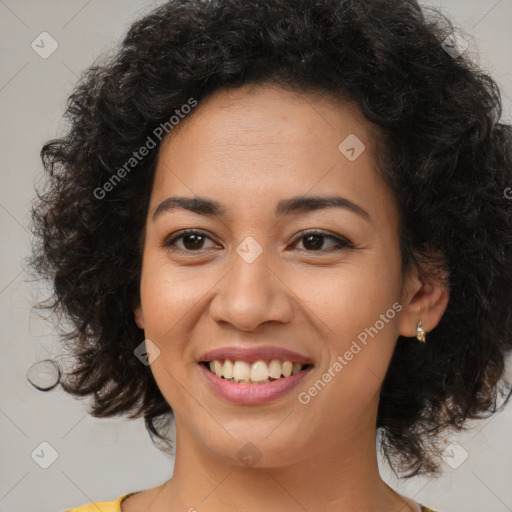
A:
(192, 233)
(316, 234)
(314, 238)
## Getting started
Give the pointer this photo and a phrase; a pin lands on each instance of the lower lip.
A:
(252, 394)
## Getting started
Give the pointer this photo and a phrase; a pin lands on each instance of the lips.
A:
(251, 394)
(246, 392)
(252, 354)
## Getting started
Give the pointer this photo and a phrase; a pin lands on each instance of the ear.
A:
(139, 316)
(425, 298)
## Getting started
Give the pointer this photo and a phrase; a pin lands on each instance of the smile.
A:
(257, 372)
(253, 375)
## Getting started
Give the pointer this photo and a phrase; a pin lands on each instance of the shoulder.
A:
(104, 506)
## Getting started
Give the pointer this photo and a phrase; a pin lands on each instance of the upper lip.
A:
(255, 354)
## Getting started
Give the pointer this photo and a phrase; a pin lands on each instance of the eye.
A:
(192, 241)
(314, 240)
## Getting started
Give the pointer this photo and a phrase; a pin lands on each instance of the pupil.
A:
(318, 239)
(196, 241)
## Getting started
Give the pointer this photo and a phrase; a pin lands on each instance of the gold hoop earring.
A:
(420, 333)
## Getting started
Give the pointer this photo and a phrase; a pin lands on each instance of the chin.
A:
(254, 447)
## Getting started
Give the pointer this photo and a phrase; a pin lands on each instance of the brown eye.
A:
(313, 241)
(192, 241)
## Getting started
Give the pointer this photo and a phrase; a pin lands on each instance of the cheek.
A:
(348, 299)
(170, 295)
(359, 343)
(355, 311)
(168, 304)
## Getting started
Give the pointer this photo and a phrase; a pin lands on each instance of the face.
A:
(266, 277)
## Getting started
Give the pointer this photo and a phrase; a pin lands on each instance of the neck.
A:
(337, 478)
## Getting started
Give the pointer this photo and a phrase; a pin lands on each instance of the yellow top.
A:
(115, 506)
(103, 506)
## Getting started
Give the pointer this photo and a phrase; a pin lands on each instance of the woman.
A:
(284, 224)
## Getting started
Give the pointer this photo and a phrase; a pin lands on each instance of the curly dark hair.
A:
(445, 155)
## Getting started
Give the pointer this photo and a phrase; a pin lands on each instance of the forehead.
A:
(259, 143)
(255, 115)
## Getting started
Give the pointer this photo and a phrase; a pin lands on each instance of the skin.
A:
(248, 149)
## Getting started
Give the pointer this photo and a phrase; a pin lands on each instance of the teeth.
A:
(274, 369)
(257, 373)
(227, 370)
(241, 371)
(287, 368)
(216, 367)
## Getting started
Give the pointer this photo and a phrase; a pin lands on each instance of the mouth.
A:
(253, 375)
(257, 372)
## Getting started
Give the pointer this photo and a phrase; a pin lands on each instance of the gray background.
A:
(100, 459)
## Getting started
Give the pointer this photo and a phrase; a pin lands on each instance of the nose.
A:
(251, 294)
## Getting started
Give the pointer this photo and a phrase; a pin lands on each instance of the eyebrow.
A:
(300, 204)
